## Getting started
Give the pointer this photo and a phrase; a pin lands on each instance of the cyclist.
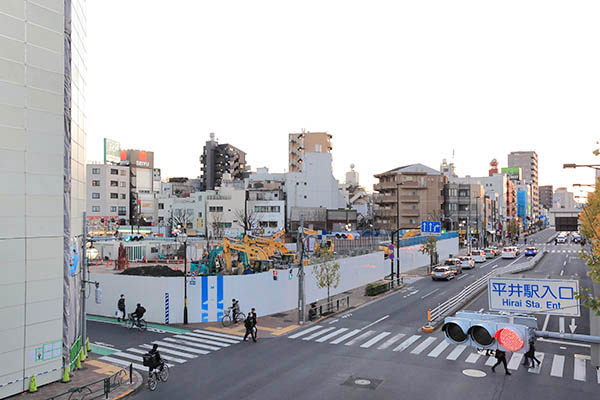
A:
(235, 308)
(158, 362)
(138, 313)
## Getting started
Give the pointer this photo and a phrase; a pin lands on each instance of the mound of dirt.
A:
(152, 270)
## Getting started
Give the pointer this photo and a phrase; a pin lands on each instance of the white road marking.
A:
(438, 349)
(169, 351)
(318, 333)
(334, 321)
(131, 356)
(361, 337)
(579, 369)
(375, 340)
(538, 367)
(598, 373)
(186, 343)
(332, 334)
(205, 332)
(482, 310)
(404, 345)
(223, 340)
(561, 325)
(124, 363)
(490, 361)
(565, 263)
(179, 347)
(456, 352)
(193, 339)
(515, 361)
(562, 272)
(391, 341)
(546, 322)
(373, 323)
(168, 358)
(430, 293)
(558, 364)
(304, 332)
(423, 345)
(462, 276)
(346, 336)
(472, 359)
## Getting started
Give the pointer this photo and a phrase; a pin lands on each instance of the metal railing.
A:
(97, 389)
(436, 315)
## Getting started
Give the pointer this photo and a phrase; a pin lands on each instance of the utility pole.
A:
(301, 295)
(82, 263)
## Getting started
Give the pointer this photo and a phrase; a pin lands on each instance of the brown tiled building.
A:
(306, 142)
(411, 193)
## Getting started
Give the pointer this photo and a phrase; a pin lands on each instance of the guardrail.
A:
(97, 389)
(436, 315)
(325, 308)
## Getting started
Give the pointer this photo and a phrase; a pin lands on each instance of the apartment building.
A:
(107, 195)
(546, 196)
(306, 142)
(266, 201)
(220, 159)
(528, 162)
(407, 195)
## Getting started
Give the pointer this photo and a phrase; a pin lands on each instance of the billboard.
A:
(513, 173)
(112, 151)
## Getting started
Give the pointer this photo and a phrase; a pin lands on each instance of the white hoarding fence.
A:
(530, 295)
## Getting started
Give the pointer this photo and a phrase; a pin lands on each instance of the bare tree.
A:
(247, 220)
(217, 224)
(183, 220)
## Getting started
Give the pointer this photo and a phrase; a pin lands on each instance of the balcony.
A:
(413, 185)
(409, 213)
(384, 198)
(384, 212)
(384, 186)
(409, 199)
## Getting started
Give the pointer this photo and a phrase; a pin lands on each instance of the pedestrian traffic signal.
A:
(291, 275)
(274, 274)
(489, 331)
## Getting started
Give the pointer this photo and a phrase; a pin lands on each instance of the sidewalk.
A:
(92, 370)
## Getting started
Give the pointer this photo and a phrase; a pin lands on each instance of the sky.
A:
(394, 82)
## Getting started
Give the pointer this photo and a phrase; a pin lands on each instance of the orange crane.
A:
(257, 256)
(275, 249)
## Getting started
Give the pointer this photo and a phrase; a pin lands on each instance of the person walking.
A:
(248, 323)
(530, 358)
(121, 307)
(501, 358)
(254, 323)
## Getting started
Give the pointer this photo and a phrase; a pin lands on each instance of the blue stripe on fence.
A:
(204, 281)
(219, 297)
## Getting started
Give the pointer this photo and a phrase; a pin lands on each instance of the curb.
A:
(135, 389)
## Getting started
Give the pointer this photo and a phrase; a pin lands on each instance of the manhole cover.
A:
(362, 382)
(474, 373)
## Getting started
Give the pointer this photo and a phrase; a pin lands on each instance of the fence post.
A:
(131, 373)
(321, 309)
(347, 301)
(338, 304)
(106, 387)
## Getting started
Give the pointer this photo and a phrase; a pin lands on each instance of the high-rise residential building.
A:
(528, 162)
(141, 183)
(464, 208)
(546, 196)
(42, 146)
(107, 196)
(407, 195)
(306, 142)
(447, 169)
(564, 199)
(219, 159)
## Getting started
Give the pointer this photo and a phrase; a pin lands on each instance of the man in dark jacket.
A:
(249, 324)
(501, 358)
(138, 313)
(530, 358)
(158, 360)
(121, 307)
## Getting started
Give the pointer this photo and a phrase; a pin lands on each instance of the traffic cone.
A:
(87, 345)
(82, 354)
(78, 362)
(32, 384)
(66, 378)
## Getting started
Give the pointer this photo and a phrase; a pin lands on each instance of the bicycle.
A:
(228, 320)
(158, 374)
(135, 323)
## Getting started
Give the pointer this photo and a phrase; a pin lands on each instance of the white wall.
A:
(268, 296)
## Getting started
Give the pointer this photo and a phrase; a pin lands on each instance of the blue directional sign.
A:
(431, 227)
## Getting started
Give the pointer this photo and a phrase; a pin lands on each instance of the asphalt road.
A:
(374, 352)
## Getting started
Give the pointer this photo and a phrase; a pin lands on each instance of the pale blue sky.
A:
(395, 82)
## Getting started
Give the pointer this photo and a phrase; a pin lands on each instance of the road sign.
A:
(529, 295)
(431, 228)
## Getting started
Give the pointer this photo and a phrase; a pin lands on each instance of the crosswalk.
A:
(176, 349)
(435, 347)
(564, 251)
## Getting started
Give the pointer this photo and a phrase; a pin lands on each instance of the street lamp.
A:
(594, 166)
(182, 238)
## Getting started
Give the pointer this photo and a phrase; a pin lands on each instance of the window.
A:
(161, 206)
(318, 148)
(122, 211)
(95, 183)
(114, 183)
(114, 171)
(122, 184)
(189, 211)
(215, 209)
(200, 214)
(113, 209)
(275, 209)
(122, 172)
(304, 196)
(272, 224)
(452, 207)
(96, 171)
(412, 221)
(114, 195)
(95, 195)
(123, 196)
(95, 208)
(161, 219)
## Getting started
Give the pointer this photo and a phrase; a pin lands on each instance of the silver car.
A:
(442, 273)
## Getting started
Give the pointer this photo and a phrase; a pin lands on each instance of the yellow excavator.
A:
(323, 247)
(255, 256)
(276, 250)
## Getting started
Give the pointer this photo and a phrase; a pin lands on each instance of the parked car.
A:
(467, 262)
(454, 265)
(509, 252)
(478, 256)
(530, 252)
(489, 253)
(442, 273)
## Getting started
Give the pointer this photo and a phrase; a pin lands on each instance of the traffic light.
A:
(489, 331)
(274, 274)
(291, 275)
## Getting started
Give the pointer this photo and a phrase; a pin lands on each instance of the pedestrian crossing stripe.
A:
(438, 347)
(176, 349)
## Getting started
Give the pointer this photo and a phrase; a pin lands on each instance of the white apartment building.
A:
(494, 187)
(564, 199)
(185, 211)
(107, 193)
(42, 148)
(266, 199)
(225, 210)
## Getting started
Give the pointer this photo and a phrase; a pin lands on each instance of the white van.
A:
(478, 256)
(509, 252)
